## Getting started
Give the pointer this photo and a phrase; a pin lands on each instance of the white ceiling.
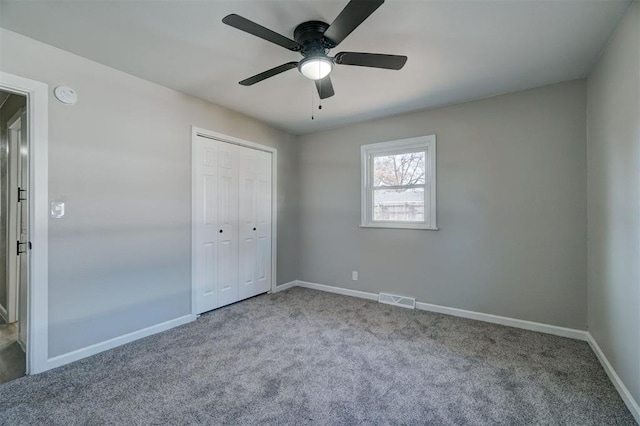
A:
(458, 50)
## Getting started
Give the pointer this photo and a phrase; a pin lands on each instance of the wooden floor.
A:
(12, 358)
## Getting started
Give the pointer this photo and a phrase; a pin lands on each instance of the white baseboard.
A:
(626, 396)
(285, 286)
(338, 290)
(511, 322)
(479, 316)
(116, 341)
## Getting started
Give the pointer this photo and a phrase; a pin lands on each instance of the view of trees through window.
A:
(399, 169)
(398, 193)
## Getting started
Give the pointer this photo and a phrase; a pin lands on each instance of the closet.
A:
(232, 189)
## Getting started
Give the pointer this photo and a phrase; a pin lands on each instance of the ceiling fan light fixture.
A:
(315, 67)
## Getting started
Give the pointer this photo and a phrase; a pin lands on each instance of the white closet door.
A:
(265, 207)
(206, 224)
(227, 271)
(232, 223)
(255, 222)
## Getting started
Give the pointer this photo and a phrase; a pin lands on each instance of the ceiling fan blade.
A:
(351, 16)
(325, 88)
(257, 30)
(269, 73)
(374, 60)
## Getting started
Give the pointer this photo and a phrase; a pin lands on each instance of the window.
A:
(399, 184)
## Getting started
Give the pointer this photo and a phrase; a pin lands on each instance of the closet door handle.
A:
(221, 231)
(254, 229)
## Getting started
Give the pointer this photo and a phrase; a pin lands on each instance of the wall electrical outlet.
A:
(354, 275)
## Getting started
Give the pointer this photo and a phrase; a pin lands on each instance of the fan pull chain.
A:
(313, 91)
(319, 93)
(320, 97)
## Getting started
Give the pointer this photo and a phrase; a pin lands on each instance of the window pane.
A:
(399, 169)
(398, 205)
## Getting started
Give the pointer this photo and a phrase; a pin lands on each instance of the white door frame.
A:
(37, 94)
(13, 234)
(197, 131)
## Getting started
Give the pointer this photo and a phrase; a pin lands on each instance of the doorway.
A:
(14, 231)
(36, 311)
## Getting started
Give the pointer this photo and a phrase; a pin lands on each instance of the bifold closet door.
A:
(232, 223)
(205, 223)
(215, 224)
(255, 222)
(227, 223)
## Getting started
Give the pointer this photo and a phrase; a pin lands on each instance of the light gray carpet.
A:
(307, 357)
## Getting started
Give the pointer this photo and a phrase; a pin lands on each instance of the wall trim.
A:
(78, 354)
(626, 396)
(285, 286)
(338, 290)
(571, 333)
(479, 316)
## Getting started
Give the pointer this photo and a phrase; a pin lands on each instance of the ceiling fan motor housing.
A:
(310, 35)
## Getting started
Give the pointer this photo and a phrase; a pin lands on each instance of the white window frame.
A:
(367, 152)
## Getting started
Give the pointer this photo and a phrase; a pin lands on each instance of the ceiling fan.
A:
(314, 39)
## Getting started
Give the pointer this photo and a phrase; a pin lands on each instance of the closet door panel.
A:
(206, 230)
(248, 221)
(264, 211)
(227, 271)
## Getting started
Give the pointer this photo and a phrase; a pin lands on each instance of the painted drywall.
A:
(120, 159)
(511, 210)
(613, 99)
(10, 107)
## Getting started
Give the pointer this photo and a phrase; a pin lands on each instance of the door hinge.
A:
(18, 247)
(20, 192)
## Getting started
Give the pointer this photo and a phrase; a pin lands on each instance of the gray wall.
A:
(9, 108)
(613, 191)
(120, 159)
(511, 208)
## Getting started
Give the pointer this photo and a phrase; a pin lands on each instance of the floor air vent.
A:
(390, 299)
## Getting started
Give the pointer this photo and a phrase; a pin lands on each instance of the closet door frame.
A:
(209, 134)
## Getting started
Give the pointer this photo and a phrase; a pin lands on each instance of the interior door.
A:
(17, 223)
(231, 223)
(248, 221)
(227, 271)
(206, 224)
(265, 208)
(24, 248)
(255, 222)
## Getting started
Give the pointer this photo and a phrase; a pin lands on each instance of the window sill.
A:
(399, 226)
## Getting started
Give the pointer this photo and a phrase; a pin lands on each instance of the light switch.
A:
(57, 209)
